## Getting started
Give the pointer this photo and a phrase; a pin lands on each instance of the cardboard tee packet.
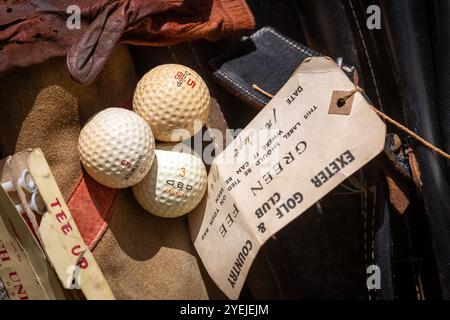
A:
(310, 137)
(42, 256)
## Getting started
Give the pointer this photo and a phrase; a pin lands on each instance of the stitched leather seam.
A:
(366, 52)
(213, 62)
(253, 36)
(291, 43)
(240, 86)
(366, 249)
(366, 253)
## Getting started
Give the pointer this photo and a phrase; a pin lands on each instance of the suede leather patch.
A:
(90, 205)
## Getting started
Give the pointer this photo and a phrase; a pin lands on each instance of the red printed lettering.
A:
(18, 286)
(4, 256)
(83, 263)
(56, 203)
(125, 163)
(179, 75)
(76, 250)
(66, 228)
(191, 83)
(60, 216)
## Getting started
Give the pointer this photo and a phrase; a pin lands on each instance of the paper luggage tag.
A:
(295, 151)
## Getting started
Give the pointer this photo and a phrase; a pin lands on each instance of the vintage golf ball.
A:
(175, 184)
(117, 147)
(174, 100)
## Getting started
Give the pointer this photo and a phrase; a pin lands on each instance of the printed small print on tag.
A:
(290, 156)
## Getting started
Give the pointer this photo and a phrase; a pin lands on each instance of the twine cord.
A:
(382, 116)
(262, 91)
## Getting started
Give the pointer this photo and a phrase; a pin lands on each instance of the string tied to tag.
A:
(343, 100)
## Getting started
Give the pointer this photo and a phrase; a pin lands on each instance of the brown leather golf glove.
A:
(34, 31)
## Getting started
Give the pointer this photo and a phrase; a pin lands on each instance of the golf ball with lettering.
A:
(117, 147)
(174, 100)
(175, 184)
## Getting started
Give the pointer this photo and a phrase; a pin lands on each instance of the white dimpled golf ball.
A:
(174, 186)
(116, 147)
(174, 100)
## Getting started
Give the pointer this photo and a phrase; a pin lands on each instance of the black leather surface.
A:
(441, 54)
(327, 29)
(383, 244)
(267, 58)
(408, 34)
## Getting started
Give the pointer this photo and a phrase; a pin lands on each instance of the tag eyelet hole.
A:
(340, 103)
